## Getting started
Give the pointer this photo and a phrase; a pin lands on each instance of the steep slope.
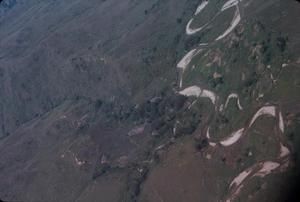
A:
(243, 149)
(58, 50)
(93, 107)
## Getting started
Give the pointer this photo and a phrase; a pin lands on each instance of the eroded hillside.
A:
(149, 100)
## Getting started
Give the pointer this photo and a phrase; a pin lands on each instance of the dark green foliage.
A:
(221, 119)
(188, 123)
(1, 72)
(98, 104)
(8, 4)
(179, 20)
(192, 42)
(251, 80)
(282, 43)
(215, 82)
(100, 171)
(201, 144)
(266, 51)
(134, 179)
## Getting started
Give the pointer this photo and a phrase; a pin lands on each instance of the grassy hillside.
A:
(149, 100)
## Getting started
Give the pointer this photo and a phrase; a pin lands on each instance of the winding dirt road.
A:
(259, 169)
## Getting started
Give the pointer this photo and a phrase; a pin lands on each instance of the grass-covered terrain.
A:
(92, 108)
